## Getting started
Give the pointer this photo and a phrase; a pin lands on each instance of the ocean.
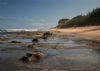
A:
(18, 30)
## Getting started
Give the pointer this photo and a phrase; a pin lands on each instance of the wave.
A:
(18, 30)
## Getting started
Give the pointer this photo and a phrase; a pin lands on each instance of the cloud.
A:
(22, 20)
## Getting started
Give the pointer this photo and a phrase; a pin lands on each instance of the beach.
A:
(92, 32)
(63, 51)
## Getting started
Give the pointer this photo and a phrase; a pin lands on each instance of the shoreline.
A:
(92, 32)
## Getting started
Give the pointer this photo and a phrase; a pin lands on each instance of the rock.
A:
(31, 46)
(24, 58)
(47, 34)
(29, 54)
(38, 56)
(44, 37)
(15, 42)
(30, 57)
(35, 40)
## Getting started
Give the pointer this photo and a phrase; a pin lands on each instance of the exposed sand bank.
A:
(91, 32)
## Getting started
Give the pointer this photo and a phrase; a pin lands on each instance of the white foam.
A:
(18, 30)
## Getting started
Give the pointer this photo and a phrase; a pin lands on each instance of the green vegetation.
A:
(62, 23)
(91, 19)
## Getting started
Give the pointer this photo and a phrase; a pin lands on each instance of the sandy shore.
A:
(90, 32)
(60, 54)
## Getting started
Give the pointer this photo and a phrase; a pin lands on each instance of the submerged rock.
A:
(32, 57)
(38, 56)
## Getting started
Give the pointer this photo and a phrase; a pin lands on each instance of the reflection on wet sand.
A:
(70, 54)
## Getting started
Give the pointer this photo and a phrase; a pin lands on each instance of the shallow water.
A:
(21, 40)
(73, 57)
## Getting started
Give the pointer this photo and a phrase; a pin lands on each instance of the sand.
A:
(60, 54)
(92, 32)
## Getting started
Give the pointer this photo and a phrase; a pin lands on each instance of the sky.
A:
(41, 14)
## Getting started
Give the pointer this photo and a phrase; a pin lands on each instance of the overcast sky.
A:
(38, 14)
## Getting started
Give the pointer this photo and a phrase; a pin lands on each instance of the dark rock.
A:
(35, 40)
(24, 58)
(29, 54)
(15, 42)
(38, 56)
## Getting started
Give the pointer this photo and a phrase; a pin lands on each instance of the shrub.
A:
(91, 19)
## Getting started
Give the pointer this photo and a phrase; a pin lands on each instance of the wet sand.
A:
(72, 54)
